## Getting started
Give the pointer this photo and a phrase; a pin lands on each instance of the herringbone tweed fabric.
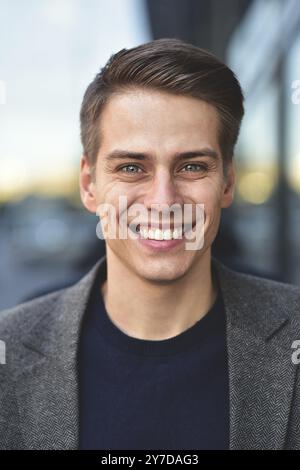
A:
(39, 383)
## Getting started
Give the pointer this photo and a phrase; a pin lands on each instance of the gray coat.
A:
(39, 383)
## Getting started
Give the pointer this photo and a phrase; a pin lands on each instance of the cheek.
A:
(115, 197)
(106, 190)
(210, 196)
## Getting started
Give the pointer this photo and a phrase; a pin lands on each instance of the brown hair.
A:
(169, 65)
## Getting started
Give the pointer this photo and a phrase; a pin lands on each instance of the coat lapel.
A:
(47, 390)
(261, 372)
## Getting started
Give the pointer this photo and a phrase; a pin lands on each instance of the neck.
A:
(146, 310)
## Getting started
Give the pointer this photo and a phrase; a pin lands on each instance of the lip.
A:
(160, 245)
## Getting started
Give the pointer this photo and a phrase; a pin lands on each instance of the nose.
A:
(163, 191)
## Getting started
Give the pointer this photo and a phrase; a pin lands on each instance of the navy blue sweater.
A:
(167, 394)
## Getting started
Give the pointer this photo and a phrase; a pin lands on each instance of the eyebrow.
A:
(178, 156)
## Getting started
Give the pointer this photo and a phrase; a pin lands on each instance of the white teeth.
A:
(167, 235)
(176, 234)
(144, 233)
(158, 234)
(150, 233)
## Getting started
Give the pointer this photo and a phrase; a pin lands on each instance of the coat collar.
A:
(261, 374)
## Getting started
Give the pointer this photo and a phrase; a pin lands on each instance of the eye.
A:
(129, 169)
(194, 167)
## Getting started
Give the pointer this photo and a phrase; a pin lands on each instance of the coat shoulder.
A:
(266, 295)
(16, 321)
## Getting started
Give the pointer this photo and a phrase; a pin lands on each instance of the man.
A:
(159, 345)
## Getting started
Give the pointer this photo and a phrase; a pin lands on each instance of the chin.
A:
(162, 272)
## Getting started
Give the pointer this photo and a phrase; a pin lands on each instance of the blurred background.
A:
(50, 50)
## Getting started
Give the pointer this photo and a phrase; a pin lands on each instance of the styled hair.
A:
(172, 66)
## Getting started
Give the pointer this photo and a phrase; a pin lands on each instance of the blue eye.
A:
(189, 167)
(201, 167)
(132, 167)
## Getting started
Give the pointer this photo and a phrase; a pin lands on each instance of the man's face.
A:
(160, 126)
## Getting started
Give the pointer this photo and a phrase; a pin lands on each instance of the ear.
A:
(87, 185)
(228, 186)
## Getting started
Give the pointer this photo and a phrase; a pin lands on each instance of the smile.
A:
(157, 234)
(161, 235)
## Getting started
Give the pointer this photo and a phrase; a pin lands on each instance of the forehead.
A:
(157, 120)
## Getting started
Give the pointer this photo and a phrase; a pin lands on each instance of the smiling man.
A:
(159, 346)
(168, 153)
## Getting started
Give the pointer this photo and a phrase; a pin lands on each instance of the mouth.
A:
(162, 235)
